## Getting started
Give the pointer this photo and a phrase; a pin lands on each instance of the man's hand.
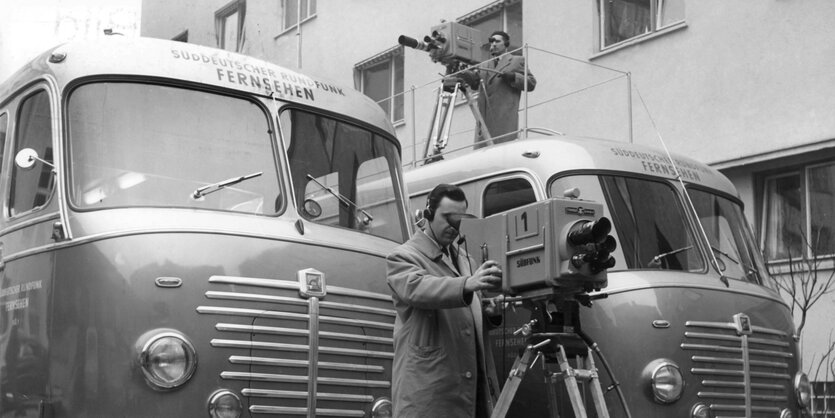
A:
(508, 76)
(487, 277)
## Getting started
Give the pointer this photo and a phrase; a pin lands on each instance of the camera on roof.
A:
(449, 43)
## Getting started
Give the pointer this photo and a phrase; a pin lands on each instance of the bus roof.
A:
(162, 59)
(545, 157)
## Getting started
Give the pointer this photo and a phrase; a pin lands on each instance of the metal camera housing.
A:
(557, 244)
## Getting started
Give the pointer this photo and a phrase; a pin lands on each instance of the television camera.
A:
(552, 254)
(456, 46)
(452, 44)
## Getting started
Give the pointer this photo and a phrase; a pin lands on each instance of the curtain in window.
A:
(822, 209)
(784, 218)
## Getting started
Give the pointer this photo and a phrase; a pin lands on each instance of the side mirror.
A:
(25, 159)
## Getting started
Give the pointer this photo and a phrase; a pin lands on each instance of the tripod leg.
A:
(485, 134)
(571, 385)
(551, 391)
(596, 391)
(517, 373)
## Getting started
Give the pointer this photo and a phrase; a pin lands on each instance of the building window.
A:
(229, 23)
(799, 213)
(823, 400)
(381, 78)
(621, 20)
(181, 37)
(291, 12)
(501, 15)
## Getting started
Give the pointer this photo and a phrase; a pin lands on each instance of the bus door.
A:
(30, 223)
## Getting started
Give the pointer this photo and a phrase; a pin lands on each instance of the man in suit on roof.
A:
(502, 81)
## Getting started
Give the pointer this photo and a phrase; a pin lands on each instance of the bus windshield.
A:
(648, 221)
(650, 224)
(730, 237)
(343, 175)
(133, 144)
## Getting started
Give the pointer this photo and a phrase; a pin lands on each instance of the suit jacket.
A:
(440, 361)
(498, 99)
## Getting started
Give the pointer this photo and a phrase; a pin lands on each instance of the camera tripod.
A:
(438, 137)
(542, 344)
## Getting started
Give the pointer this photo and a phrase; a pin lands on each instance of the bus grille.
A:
(287, 348)
(743, 370)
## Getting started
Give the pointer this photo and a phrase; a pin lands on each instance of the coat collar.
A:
(426, 245)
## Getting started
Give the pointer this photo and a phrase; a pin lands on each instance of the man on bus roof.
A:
(502, 81)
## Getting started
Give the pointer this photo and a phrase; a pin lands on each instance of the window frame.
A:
(499, 8)
(311, 4)
(657, 7)
(221, 16)
(803, 172)
(391, 57)
(496, 180)
(14, 139)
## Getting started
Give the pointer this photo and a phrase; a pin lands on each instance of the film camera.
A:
(559, 245)
(451, 44)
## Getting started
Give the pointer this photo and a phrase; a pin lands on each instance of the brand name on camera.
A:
(523, 262)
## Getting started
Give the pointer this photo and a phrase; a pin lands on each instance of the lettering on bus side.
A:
(659, 164)
(272, 81)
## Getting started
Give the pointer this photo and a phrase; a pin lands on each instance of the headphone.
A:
(429, 211)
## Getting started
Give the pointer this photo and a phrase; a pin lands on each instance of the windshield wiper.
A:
(656, 261)
(345, 201)
(728, 256)
(211, 188)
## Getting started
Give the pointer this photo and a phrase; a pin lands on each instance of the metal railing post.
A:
(629, 104)
(414, 129)
(525, 99)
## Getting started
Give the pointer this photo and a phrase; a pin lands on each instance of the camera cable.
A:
(615, 384)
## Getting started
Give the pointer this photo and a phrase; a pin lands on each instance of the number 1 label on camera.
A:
(527, 224)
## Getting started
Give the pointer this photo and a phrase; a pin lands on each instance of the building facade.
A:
(745, 86)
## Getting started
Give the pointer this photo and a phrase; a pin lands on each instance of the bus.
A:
(690, 322)
(187, 231)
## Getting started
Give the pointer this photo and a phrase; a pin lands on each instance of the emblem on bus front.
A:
(743, 324)
(311, 283)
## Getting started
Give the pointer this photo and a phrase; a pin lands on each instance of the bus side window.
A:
(32, 188)
(507, 194)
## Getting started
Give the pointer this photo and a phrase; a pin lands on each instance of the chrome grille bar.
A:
(288, 394)
(283, 410)
(351, 330)
(743, 373)
(291, 378)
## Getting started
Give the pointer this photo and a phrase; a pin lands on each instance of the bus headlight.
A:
(665, 380)
(803, 390)
(225, 404)
(167, 358)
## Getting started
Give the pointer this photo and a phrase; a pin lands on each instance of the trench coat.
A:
(498, 99)
(440, 361)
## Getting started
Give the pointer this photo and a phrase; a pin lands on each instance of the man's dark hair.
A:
(503, 35)
(438, 193)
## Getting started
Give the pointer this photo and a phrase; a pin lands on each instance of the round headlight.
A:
(167, 359)
(803, 390)
(382, 408)
(666, 381)
(700, 410)
(225, 404)
(786, 414)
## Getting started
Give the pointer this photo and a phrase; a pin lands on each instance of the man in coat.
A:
(502, 81)
(442, 364)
